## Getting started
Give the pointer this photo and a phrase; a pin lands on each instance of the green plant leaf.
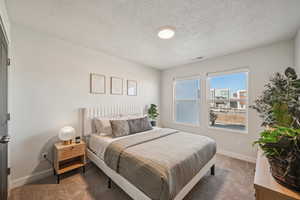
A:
(153, 112)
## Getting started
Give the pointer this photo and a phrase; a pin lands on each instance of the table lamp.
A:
(66, 134)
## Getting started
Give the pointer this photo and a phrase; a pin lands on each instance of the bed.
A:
(160, 163)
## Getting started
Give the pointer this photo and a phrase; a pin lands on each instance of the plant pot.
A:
(279, 168)
(153, 123)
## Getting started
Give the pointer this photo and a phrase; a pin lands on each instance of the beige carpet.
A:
(233, 181)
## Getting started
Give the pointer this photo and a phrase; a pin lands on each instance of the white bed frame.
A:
(87, 114)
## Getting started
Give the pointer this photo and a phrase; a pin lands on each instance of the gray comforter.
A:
(162, 162)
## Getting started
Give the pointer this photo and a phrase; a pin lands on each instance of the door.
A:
(4, 117)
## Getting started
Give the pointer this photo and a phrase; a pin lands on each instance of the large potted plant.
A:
(279, 107)
(153, 114)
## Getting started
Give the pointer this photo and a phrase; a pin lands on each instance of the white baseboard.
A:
(30, 178)
(237, 156)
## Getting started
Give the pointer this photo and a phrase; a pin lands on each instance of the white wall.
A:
(50, 81)
(262, 62)
(297, 51)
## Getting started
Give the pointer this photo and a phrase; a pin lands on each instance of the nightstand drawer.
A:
(71, 152)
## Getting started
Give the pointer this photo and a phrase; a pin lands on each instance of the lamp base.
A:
(67, 142)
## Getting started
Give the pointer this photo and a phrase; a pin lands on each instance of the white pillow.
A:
(103, 126)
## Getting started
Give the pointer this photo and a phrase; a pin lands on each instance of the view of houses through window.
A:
(228, 101)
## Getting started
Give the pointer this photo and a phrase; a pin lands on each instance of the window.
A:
(186, 101)
(227, 99)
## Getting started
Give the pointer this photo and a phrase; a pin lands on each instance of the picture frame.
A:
(97, 83)
(131, 88)
(116, 85)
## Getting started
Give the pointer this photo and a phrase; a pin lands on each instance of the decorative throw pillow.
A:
(139, 125)
(103, 126)
(119, 128)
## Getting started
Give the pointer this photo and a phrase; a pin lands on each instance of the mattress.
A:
(162, 162)
(98, 143)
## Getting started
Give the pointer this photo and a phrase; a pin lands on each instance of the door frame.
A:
(4, 146)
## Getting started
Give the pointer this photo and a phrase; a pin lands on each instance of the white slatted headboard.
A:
(107, 111)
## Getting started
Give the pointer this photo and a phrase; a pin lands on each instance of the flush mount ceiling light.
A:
(166, 32)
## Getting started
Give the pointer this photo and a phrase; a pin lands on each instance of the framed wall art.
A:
(116, 85)
(131, 88)
(97, 83)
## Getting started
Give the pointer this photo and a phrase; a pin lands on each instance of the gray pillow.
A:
(139, 125)
(119, 128)
(103, 126)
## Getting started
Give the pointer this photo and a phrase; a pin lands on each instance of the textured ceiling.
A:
(128, 28)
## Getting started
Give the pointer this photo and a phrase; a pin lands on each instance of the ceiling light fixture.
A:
(166, 32)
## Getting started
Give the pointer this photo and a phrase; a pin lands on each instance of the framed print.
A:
(116, 85)
(131, 88)
(97, 83)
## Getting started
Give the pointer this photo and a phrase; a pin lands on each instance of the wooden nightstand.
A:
(68, 157)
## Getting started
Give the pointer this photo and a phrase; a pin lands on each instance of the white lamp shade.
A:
(66, 133)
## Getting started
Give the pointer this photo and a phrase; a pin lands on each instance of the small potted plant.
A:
(279, 107)
(153, 114)
(212, 117)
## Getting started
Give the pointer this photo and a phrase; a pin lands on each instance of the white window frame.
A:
(174, 100)
(207, 101)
